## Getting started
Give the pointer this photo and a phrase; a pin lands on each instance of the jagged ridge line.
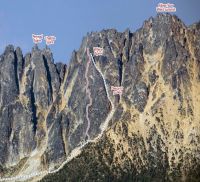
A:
(75, 151)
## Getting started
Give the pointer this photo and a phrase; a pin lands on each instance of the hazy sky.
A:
(70, 20)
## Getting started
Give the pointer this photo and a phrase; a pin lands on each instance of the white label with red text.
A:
(98, 51)
(37, 38)
(50, 39)
(166, 7)
(117, 90)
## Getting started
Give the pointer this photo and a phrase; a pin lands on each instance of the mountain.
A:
(63, 122)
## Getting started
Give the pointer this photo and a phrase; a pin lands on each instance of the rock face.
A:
(48, 109)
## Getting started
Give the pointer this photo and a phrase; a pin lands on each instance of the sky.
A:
(70, 20)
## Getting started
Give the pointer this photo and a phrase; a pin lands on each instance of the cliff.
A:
(50, 113)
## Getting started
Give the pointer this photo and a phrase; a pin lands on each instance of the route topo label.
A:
(37, 38)
(98, 51)
(117, 90)
(50, 39)
(168, 7)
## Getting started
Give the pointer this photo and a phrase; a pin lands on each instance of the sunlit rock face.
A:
(154, 133)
